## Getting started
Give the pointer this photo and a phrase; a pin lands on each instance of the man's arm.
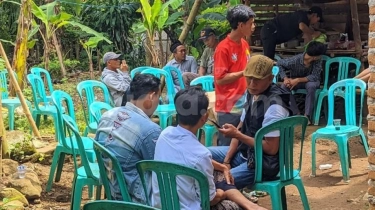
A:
(230, 78)
(202, 71)
(194, 65)
(316, 70)
(119, 83)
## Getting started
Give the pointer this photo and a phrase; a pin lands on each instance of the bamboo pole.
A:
(189, 23)
(19, 93)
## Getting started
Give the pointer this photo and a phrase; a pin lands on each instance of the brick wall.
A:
(371, 106)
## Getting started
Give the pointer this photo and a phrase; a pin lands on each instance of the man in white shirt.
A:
(180, 145)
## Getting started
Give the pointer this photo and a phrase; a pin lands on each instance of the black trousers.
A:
(268, 35)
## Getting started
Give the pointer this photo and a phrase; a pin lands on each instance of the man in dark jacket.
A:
(288, 26)
(267, 103)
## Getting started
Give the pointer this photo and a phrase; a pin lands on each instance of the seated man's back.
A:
(180, 146)
(130, 135)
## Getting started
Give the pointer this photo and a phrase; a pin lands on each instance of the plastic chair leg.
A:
(301, 189)
(77, 194)
(59, 167)
(86, 132)
(313, 154)
(98, 192)
(275, 198)
(364, 141)
(163, 120)
(342, 143)
(91, 156)
(210, 131)
(283, 199)
(55, 160)
(11, 117)
(91, 191)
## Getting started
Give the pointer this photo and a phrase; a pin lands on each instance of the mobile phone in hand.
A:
(217, 125)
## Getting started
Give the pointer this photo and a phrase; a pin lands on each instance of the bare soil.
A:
(325, 191)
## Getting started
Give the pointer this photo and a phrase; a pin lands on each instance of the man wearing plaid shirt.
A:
(304, 72)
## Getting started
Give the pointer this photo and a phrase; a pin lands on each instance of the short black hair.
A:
(142, 84)
(191, 104)
(239, 14)
(315, 48)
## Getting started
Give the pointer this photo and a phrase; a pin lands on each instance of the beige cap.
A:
(259, 66)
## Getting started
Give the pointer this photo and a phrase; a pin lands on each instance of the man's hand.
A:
(228, 176)
(293, 83)
(228, 130)
(286, 81)
(124, 66)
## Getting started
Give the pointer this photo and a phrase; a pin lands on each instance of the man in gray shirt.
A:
(207, 59)
(115, 75)
(186, 64)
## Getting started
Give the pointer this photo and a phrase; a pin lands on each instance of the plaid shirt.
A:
(297, 69)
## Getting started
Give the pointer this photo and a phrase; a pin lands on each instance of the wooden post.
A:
(19, 93)
(189, 23)
(355, 28)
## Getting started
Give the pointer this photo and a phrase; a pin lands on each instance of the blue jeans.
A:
(243, 176)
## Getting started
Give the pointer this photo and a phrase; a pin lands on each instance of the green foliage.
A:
(2, 64)
(54, 66)
(215, 18)
(20, 150)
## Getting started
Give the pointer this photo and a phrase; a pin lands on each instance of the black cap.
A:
(318, 11)
(205, 33)
(175, 45)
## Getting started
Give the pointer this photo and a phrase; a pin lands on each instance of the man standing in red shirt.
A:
(230, 59)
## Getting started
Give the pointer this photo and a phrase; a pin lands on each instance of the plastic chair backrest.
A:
(89, 87)
(43, 73)
(4, 83)
(115, 205)
(275, 73)
(277, 57)
(287, 128)
(166, 175)
(207, 82)
(175, 71)
(343, 70)
(102, 155)
(96, 109)
(59, 98)
(168, 79)
(133, 72)
(349, 86)
(39, 93)
(72, 131)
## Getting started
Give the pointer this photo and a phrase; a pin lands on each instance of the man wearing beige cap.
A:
(267, 103)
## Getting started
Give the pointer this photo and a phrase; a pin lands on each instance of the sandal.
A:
(250, 197)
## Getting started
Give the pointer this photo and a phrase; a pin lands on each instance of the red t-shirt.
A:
(230, 57)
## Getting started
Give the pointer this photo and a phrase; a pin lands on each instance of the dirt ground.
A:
(325, 191)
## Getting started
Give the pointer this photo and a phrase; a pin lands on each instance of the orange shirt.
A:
(230, 57)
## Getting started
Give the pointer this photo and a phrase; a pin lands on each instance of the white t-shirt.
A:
(274, 113)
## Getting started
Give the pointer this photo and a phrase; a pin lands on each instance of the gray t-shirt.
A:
(207, 60)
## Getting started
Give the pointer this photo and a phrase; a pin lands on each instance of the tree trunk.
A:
(161, 49)
(4, 150)
(189, 23)
(59, 55)
(91, 67)
(19, 93)
(20, 50)
(46, 56)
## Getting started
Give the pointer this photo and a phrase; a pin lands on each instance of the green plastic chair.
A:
(115, 205)
(352, 128)
(10, 103)
(343, 73)
(88, 173)
(87, 90)
(137, 70)
(96, 109)
(164, 111)
(166, 175)
(41, 103)
(110, 167)
(207, 83)
(175, 72)
(40, 72)
(288, 175)
(65, 146)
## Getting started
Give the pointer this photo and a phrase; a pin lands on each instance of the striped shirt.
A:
(297, 69)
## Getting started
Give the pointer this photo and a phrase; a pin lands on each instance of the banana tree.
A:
(51, 22)
(155, 19)
(89, 47)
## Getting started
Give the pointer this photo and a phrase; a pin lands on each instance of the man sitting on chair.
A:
(304, 73)
(129, 133)
(266, 103)
(180, 145)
